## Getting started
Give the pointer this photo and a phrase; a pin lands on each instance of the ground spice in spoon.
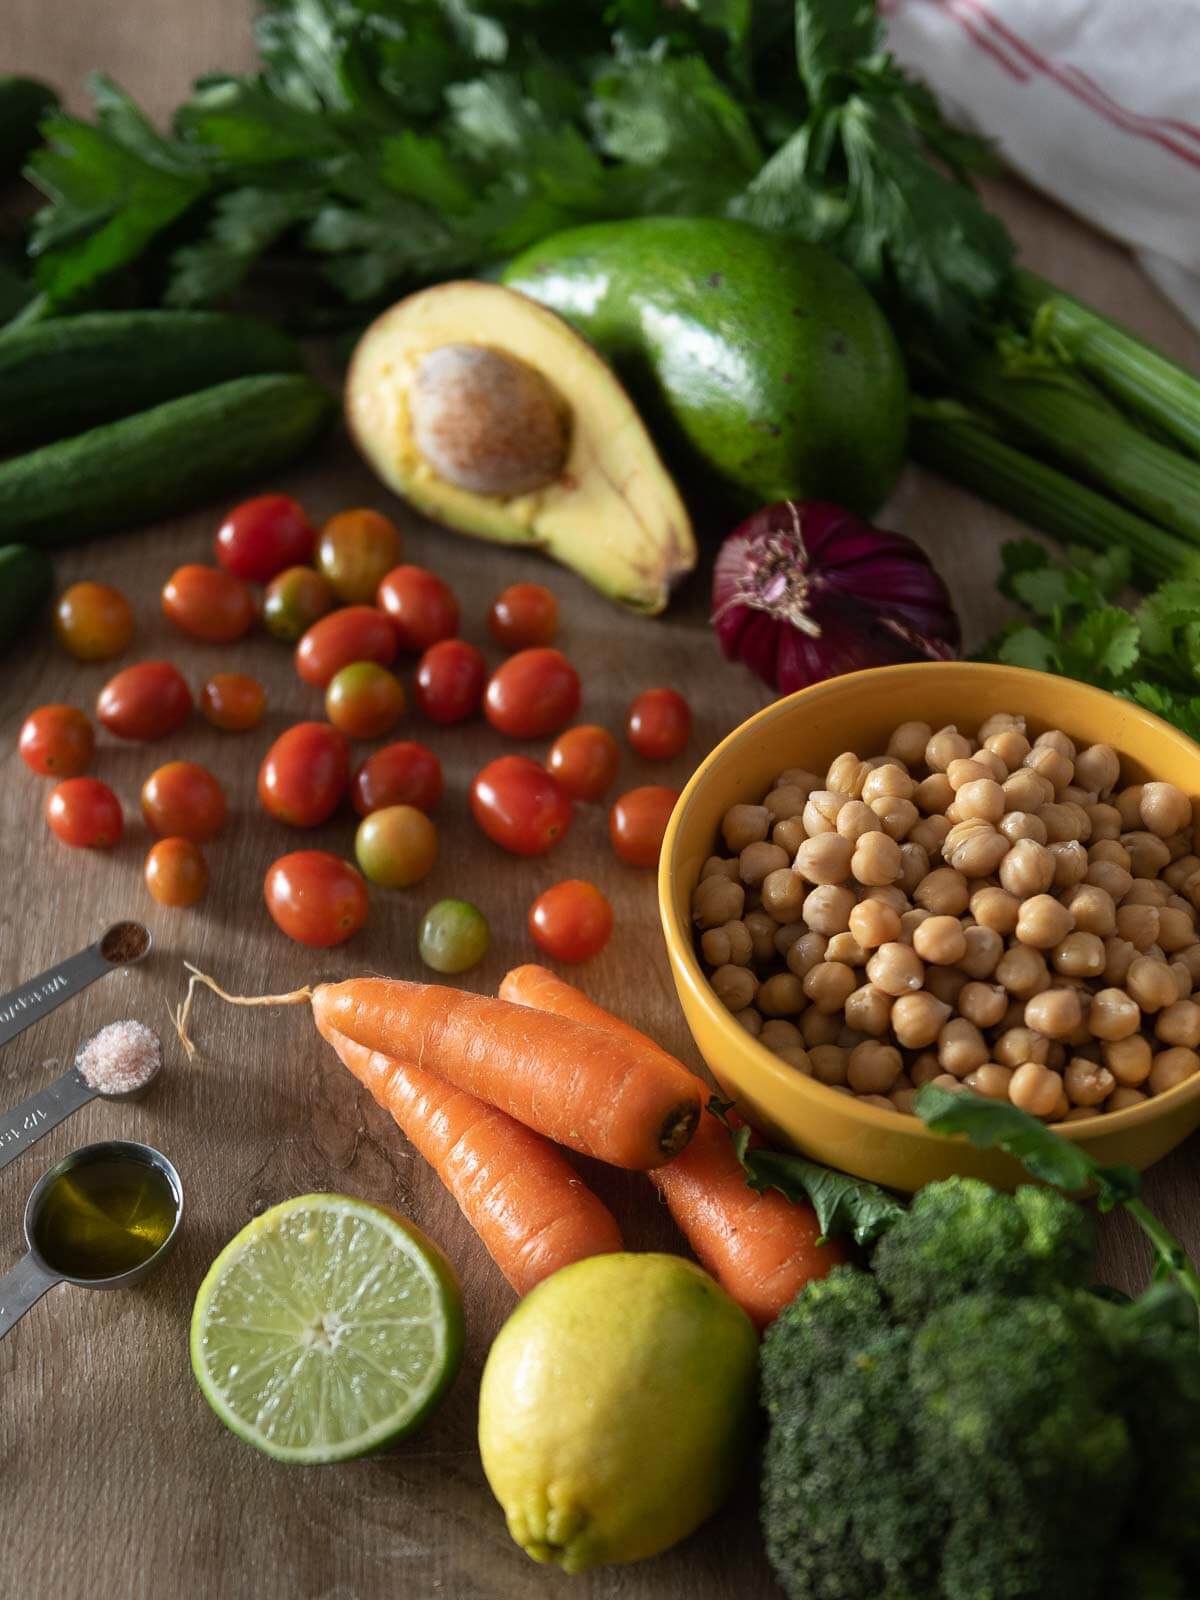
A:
(122, 1057)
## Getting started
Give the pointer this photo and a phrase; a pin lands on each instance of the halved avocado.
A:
(491, 414)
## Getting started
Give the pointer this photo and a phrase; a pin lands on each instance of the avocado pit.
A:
(486, 421)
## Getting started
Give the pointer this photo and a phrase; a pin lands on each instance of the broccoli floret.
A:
(963, 1237)
(969, 1423)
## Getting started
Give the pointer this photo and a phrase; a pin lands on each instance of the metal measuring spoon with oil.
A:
(101, 1218)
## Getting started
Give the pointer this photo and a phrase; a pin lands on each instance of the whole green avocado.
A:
(764, 358)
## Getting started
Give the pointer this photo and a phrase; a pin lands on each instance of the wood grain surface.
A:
(115, 1478)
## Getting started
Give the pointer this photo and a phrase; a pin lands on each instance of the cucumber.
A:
(23, 104)
(26, 578)
(157, 462)
(69, 373)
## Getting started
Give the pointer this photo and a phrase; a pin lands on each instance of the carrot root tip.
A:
(183, 1011)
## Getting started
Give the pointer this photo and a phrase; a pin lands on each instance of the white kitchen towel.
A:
(1095, 101)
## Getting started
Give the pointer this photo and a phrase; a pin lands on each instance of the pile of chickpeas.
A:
(997, 913)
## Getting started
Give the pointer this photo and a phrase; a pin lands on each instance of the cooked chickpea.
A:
(750, 1020)
(1164, 808)
(779, 1034)
(847, 774)
(1009, 745)
(1116, 881)
(914, 866)
(944, 892)
(924, 1069)
(1047, 762)
(917, 1019)
(1054, 1012)
(1079, 955)
(933, 794)
(1138, 924)
(817, 1028)
(1129, 1059)
(1122, 1099)
(824, 859)
(1172, 1067)
(896, 817)
(786, 935)
(876, 860)
(929, 833)
(961, 1047)
(982, 1003)
(910, 921)
(873, 1067)
(759, 859)
(827, 909)
(996, 909)
(1093, 910)
(821, 811)
(1026, 791)
(789, 835)
(945, 983)
(1113, 1015)
(945, 746)
(1148, 854)
(1176, 929)
(728, 944)
(896, 969)
(1151, 983)
(783, 892)
(1191, 960)
(1022, 971)
(1016, 825)
(828, 1063)
(939, 940)
(1035, 1089)
(1183, 979)
(1018, 1045)
(966, 769)
(908, 742)
(1178, 873)
(735, 987)
(762, 928)
(715, 901)
(786, 802)
(796, 1057)
(868, 1010)
(1083, 798)
(743, 825)
(720, 867)
(828, 986)
(1129, 806)
(1105, 820)
(1070, 863)
(1086, 1083)
(1097, 768)
(872, 923)
(1179, 1023)
(982, 797)
(798, 778)
(845, 947)
(990, 1080)
(974, 847)
(1027, 869)
(889, 894)
(1043, 922)
(781, 996)
(888, 782)
(1119, 955)
(856, 818)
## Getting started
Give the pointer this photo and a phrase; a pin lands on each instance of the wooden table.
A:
(117, 1480)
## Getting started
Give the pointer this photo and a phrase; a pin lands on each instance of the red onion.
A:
(807, 591)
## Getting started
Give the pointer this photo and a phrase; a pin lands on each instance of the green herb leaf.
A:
(1026, 647)
(1106, 644)
(1045, 590)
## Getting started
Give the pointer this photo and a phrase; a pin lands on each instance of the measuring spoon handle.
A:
(25, 1124)
(31, 1001)
(21, 1288)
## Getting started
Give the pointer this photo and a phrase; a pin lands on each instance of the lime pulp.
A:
(327, 1328)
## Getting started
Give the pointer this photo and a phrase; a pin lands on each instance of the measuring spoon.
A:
(119, 946)
(25, 1124)
(34, 1274)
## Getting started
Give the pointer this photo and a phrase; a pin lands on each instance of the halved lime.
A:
(326, 1329)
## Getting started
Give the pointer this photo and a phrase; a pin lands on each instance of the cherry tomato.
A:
(294, 601)
(421, 605)
(520, 806)
(56, 741)
(450, 679)
(454, 936)
(659, 724)
(522, 615)
(585, 760)
(175, 872)
(263, 536)
(233, 702)
(145, 702)
(315, 898)
(364, 700)
(396, 847)
(93, 621)
(638, 821)
(357, 633)
(304, 774)
(183, 800)
(571, 921)
(356, 551)
(85, 813)
(534, 693)
(209, 603)
(401, 774)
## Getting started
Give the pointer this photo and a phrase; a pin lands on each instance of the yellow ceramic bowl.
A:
(857, 712)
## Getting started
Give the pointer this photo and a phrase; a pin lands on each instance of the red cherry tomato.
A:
(638, 821)
(85, 813)
(585, 760)
(520, 806)
(304, 774)
(421, 605)
(183, 800)
(364, 700)
(356, 551)
(533, 694)
(175, 872)
(145, 702)
(522, 615)
(233, 702)
(315, 898)
(356, 633)
(401, 774)
(294, 601)
(263, 536)
(209, 603)
(56, 741)
(571, 921)
(659, 724)
(450, 679)
(93, 621)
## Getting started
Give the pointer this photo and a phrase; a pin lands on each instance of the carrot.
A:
(530, 1208)
(619, 1099)
(761, 1248)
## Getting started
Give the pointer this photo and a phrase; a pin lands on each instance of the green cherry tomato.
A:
(294, 601)
(454, 936)
(356, 551)
(396, 847)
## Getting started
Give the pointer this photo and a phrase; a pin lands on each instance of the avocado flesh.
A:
(614, 513)
(763, 360)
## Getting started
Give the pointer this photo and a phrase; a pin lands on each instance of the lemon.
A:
(616, 1407)
(327, 1328)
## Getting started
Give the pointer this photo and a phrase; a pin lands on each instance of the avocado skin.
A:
(763, 357)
